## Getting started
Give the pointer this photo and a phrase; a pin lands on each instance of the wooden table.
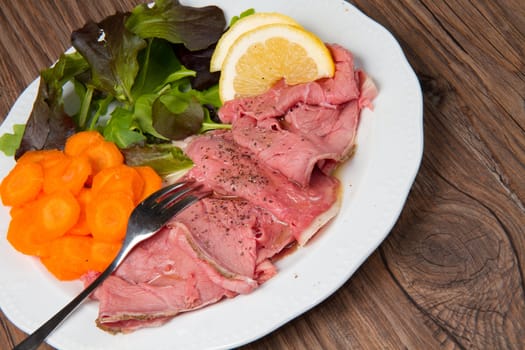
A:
(451, 273)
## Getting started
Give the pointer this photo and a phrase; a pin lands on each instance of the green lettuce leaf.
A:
(157, 62)
(177, 116)
(196, 28)
(209, 97)
(165, 158)
(48, 125)
(143, 115)
(111, 51)
(209, 124)
(122, 129)
(9, 142)
(182, 111)
(243, 14)
(198, 61)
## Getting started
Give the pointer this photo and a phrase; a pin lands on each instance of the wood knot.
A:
(457, 264)
(434, 89)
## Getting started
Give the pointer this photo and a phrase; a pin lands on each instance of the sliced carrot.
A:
(56, 265)
(22, 184)
(41, 156)
(81, 227)
(55, 214)
(102, 254)
(18, 210)
(69, 257)
(101, 153)
(70, 174)
(108, 215)
(23, 234)
(104, 155)
(152, 181)
(53, 175)
(120, 178)
(72, 208)
(82, 141)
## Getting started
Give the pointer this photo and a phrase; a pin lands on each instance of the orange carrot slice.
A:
(102, 254)
(108, 215)
(104, 155)
(23, 234)
(120, 178)
(56, 214)
(81, 227)
(41, 156)
(69, 257)
(152, 181)
(22, 184)
(69, 174)
(80, 142)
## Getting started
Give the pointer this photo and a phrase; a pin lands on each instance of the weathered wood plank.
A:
(457, 248)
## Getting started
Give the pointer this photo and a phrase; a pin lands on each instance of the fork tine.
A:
(154, 198)
(173, 197)
(171, 206)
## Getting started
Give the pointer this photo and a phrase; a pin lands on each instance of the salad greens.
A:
(169, 160)
(111, 52)
(48, 125)
(10, 142)
(177, 23)
(243, 14)
(131, 84)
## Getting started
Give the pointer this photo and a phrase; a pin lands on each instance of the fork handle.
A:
(37, 337)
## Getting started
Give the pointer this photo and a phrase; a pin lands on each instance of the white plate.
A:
(376, 183)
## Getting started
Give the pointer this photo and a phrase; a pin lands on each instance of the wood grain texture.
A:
(451, 273)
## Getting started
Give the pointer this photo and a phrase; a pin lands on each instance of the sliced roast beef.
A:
(226, 240)
(341, 88)
(208, 252)
(272, 237)
(307, 136)
(234, 234)
(216, 272)
(157, 281)
(226, 234)
(368, 90)
(292, 129)
(234, 171)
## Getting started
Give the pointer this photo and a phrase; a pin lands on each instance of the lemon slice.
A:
(261, 57)
(240, 27)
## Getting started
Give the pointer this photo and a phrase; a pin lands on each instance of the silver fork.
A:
(146, 219)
